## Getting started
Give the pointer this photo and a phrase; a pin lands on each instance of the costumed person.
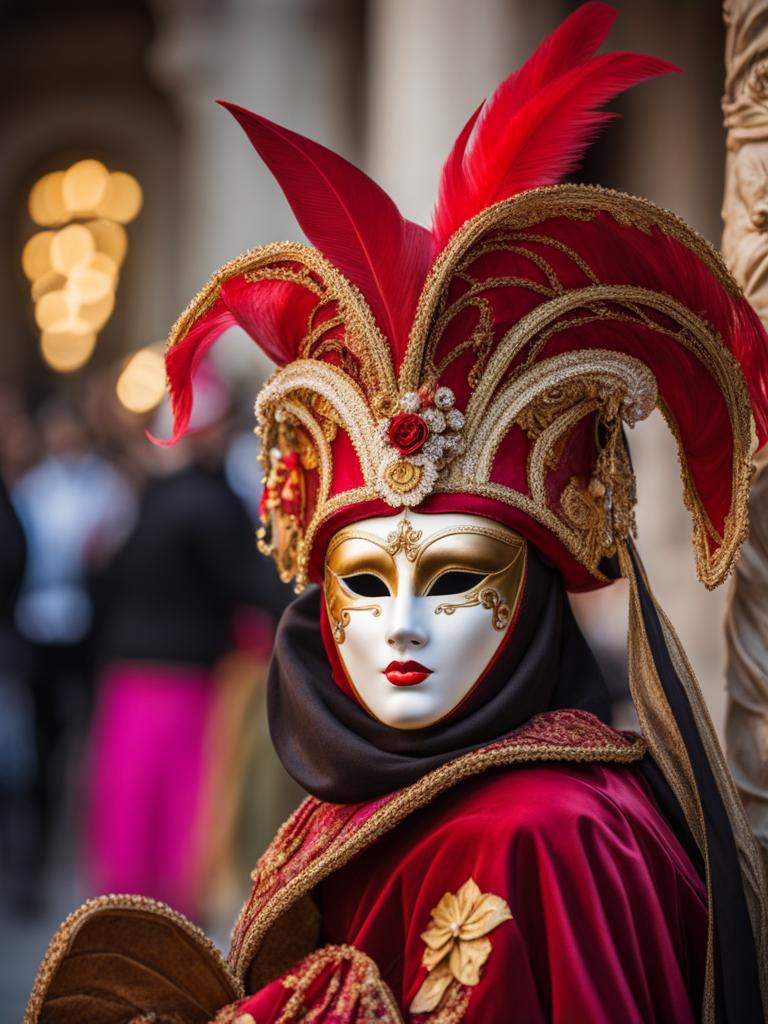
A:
(445, 457)
(183, 578)
(76, 509)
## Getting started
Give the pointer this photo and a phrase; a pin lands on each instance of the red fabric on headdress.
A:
(497, 250)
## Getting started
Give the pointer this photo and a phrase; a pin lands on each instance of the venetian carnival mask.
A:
(419, 606)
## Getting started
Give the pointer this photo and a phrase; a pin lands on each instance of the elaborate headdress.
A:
(490, 364)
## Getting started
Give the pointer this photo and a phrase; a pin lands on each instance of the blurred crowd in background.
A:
(137, 621)
(136, 616)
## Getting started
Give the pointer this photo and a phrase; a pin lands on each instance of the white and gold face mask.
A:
(418, 607)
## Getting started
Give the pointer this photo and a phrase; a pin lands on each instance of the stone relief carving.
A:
(745, 248)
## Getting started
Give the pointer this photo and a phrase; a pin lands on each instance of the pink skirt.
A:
(144, 780)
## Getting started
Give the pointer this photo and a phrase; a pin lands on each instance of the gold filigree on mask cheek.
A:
(499, 592)
(340, 602)
(352, 553)
(341, 619)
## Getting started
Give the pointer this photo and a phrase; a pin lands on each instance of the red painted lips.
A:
(406, 673)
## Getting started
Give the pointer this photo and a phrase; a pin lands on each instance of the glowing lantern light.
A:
(83, 186)
(70, 246)
(141, 384)
(46, 202)
(74, 271)
(109, 238)
(66, 350)
(122, 199)
(36, 256)
(52, 308)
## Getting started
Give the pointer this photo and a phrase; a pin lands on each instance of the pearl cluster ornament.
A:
(417, 443)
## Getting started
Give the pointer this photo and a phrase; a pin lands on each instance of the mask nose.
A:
(404, 632)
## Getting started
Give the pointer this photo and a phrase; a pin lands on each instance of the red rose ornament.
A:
(408, 432)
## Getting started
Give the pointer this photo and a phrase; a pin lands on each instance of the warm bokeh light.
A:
(36, 256)
(52, 308)
(71, 246)
(109, 238)
(87, 286)
(97, 313)
(141, 384)
(122, 198)
(66, 350)
(83, 186)
(105, 265)
(48, 282)
(74, 271)
(46, 202)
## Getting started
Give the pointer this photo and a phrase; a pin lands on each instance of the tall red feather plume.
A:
(350, 219)
(535, 127)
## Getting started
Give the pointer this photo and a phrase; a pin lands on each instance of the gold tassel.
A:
(665, 743)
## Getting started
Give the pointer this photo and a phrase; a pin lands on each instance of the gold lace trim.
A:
(325, 281)
(363, 389)
(577, 202)
(248, 937)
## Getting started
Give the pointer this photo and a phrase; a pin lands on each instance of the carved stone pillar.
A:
(745, 247)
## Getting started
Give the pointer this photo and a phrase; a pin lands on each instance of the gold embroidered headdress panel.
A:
(546, 325)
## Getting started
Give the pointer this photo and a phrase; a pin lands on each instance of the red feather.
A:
(183, 359)
(535, 127)
(350, 219)
(274, 313)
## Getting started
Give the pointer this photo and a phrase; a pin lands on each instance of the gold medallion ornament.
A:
(401, 477)
(457, 942)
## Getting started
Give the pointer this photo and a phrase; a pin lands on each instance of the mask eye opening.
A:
(365, 584)
(455, 581)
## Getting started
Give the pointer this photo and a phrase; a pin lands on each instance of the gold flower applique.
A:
(457, 946)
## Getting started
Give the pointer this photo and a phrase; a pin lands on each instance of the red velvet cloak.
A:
(608, 913)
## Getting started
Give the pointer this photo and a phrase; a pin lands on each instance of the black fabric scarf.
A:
(333, 748)
(737, 983)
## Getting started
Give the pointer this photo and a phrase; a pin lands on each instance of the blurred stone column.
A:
(431, 62)
(745, 247)
(286, 59)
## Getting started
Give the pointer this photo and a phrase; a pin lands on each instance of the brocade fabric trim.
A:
(361, 389)
(319, 838)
